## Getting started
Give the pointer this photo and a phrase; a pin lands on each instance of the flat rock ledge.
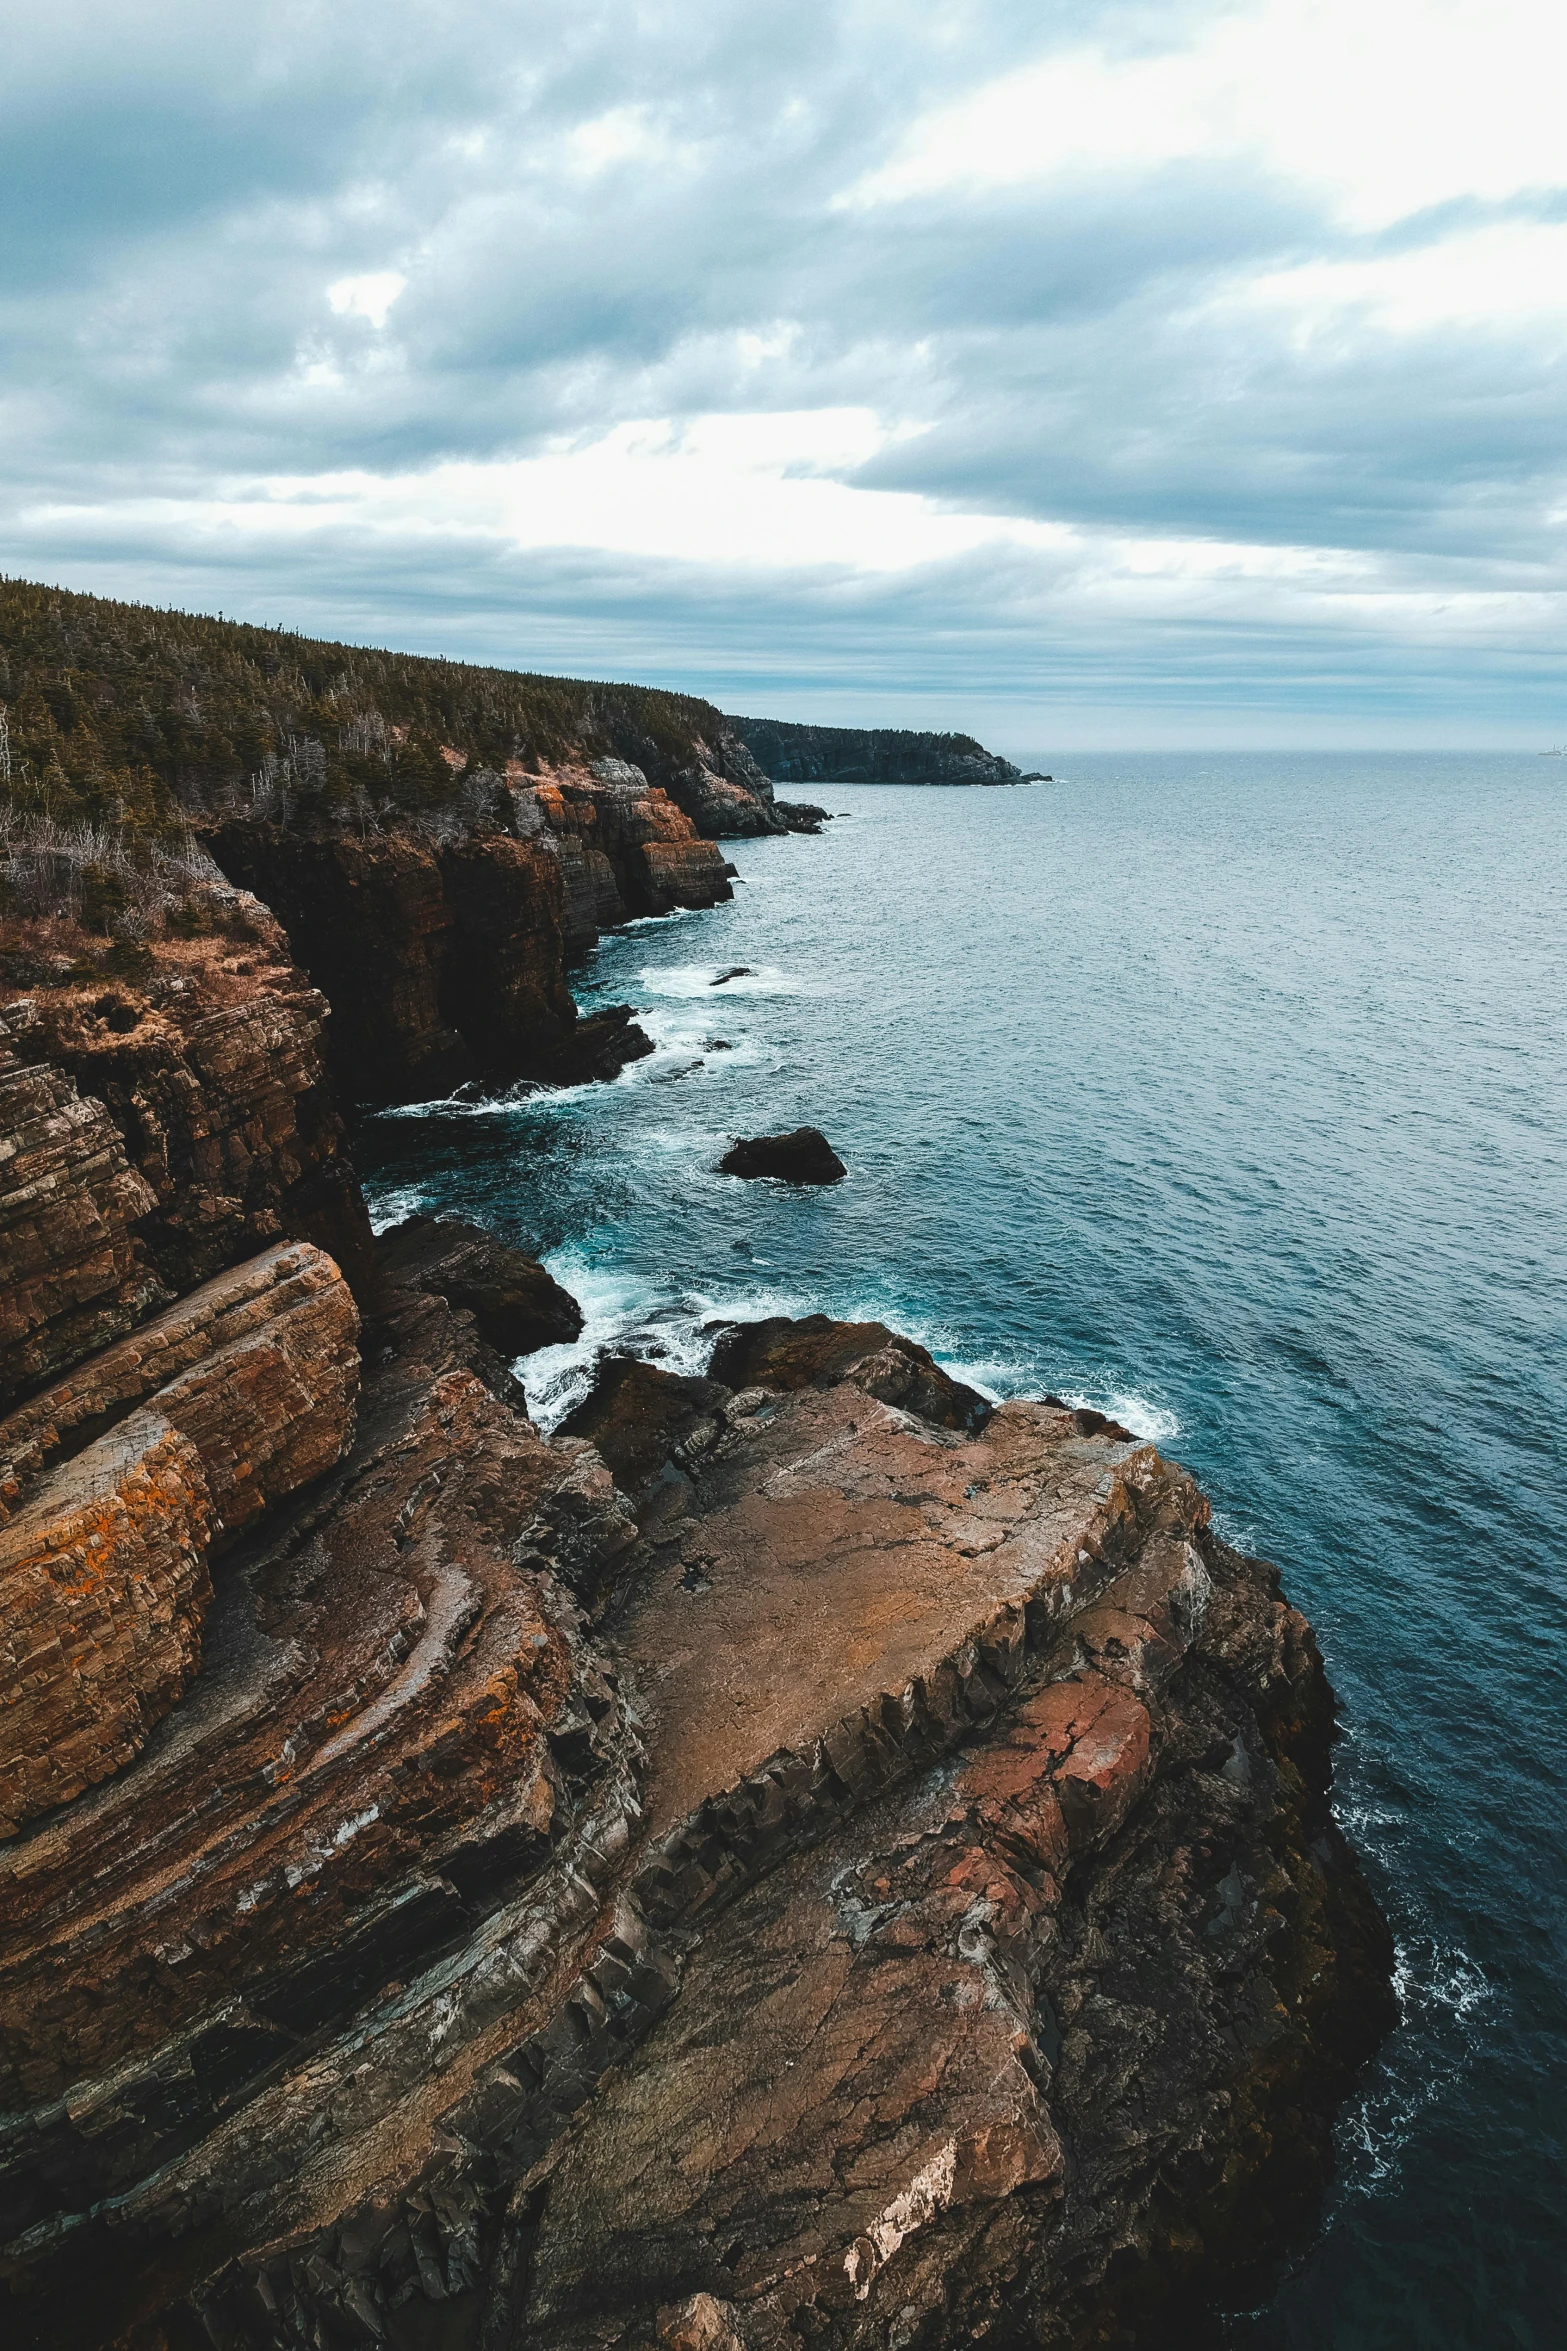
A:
(860, 1875)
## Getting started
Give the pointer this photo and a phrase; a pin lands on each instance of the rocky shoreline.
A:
(802, 1857)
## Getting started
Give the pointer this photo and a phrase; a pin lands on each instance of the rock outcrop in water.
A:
(517, 1306)
(803, 1156)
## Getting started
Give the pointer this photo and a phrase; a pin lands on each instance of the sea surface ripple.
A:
(1228, 1093)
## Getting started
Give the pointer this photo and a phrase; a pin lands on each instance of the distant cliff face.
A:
(792, 754)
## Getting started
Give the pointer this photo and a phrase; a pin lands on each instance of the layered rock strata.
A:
(725, 790)
(164, 1128)
(116, 1482)
(259, 1368)
(77, 1273)
(103, 1589)
(911, 1913)
(395, 1734)
(625, 847)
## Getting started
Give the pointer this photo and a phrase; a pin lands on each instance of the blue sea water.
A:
(1228, 1093)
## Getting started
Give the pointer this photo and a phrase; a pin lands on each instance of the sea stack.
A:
(803, 1156)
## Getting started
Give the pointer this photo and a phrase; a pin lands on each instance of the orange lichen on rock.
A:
(103, 1588)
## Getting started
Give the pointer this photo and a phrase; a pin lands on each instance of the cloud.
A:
(370, 296)
(1148, 364)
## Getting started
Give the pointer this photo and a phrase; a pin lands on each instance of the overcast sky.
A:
(1077, 373)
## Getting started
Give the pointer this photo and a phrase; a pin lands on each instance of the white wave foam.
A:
(1154, 1423)
(468, 1102)
(1440, 1992)
(627, 1315)
(556, 1378)
(389, 1208)
(993, 1378)
(641, 922)
(1428, 1976)
(682, 1031)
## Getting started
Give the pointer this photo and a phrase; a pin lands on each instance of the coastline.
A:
(616, 1924)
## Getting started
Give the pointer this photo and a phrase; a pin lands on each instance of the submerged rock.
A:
(802, 1157)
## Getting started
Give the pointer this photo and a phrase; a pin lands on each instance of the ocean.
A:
(1227, 1093)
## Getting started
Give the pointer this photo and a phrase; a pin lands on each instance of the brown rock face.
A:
(259, 1368)
(927, 1865)
(210, 1071)
(517, 1306)
(637, 1418)
(443, 959)
(103, 1587)
(70, 1205)
(624, 846)
(217, 1409)
(1049, 1910)
(370, 1810)
(723, 791)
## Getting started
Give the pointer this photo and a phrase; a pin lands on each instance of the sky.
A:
(1079, 374)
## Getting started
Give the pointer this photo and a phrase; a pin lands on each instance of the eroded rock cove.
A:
(802, 1857)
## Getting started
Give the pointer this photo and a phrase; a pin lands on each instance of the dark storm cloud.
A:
(630, 212)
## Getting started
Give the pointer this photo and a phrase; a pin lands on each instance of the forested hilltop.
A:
(792, 753)
(122, 714)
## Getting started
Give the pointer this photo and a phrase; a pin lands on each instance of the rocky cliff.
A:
(795, 754)
(868, 1878)
(166, 1113)
(803, 1857)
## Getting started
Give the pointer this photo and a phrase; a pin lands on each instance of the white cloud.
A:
(749, 493)
(1125, 356)
(370, 296)
(1387, 106)
(1509, 275)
